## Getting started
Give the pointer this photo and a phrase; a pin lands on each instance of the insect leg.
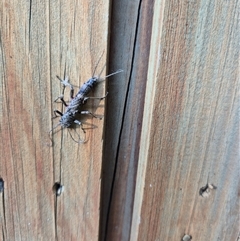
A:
(99, 98)
(80, 124)
(90, 113)
(57, 112)
(61, 98)
(79, 140)
(65, 83)
(71, 92)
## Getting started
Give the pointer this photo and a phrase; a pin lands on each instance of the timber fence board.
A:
(39, 40)
(165, 165)
(190, 130)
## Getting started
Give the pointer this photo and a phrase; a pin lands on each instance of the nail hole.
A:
(205, 191)
(58, 189)
(187, 237)
(1, 185)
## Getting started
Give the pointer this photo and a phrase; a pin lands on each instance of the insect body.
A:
(75, 107)
(87, 87)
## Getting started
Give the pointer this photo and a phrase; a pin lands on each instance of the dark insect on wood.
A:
(74, 108)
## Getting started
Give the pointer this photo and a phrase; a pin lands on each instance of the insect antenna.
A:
(101, 71)
(97, 64)
(116, 72)
(99, 79)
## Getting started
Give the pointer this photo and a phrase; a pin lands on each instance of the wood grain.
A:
(172, 121)
(123, 186)
(188, 54)
(190, 127)
(124, 23)
(39, 40)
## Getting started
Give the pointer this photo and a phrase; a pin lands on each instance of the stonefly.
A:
(71, 114)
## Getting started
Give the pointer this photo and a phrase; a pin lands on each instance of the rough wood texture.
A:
(118, 132)
(191, 126)
(190, 132)
(129, 106)
(39, 40)
(160, 151)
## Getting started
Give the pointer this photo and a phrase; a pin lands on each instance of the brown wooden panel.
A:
(39, 40)
(124, 22)
(190, 133)
(188, 55)
(137, 25)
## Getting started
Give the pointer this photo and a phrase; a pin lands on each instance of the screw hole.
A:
(205, 191)
(58, 189)
(187, 237)
(1, 185)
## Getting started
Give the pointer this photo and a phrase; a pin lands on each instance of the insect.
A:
(70, 116)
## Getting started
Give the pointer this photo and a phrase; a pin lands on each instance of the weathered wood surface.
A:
(191, 126)
(120, 134)
(185, 57)
(190, 132)
(39, 40)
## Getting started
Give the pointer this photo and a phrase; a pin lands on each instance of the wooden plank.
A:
(39, 40)
(124, 21)
(190, 131)
(138, 33)
(26, 163)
